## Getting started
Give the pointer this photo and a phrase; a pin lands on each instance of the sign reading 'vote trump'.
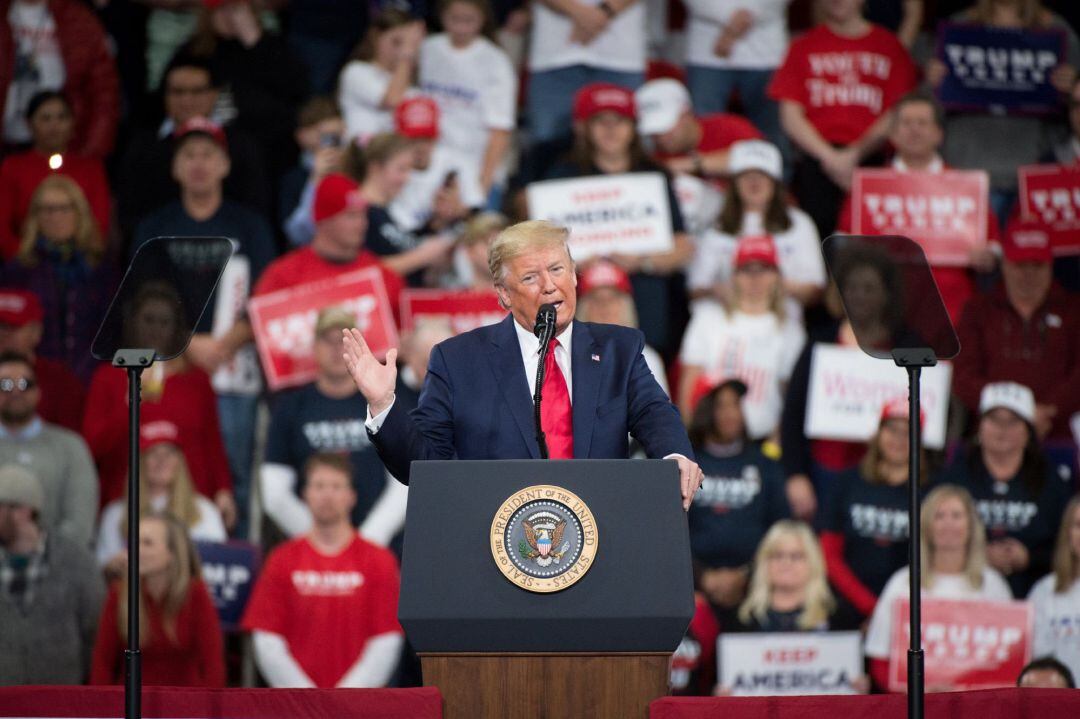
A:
(1050, 195)
(945, 212)
(999, 68)
(284, 322)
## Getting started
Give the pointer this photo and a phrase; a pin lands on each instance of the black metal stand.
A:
(134, 361)
(545, 341)
(913, 360)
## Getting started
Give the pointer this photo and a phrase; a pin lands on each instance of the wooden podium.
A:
(495, 649)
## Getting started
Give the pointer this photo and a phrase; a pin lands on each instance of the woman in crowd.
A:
(175, 390)
(179, 634)
(164, 486)
(754, 337)
(606, 142)
(52, 125)
(741, 497)
(864, 529)
(61, 260)
(953, 567)
(1057, 596)
(383, 168)
(379, 73)
(1015, 139)
(755, 205)
(473, 81)
(788, 589)
(1018, 494)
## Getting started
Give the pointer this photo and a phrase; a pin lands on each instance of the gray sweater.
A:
(52, 642)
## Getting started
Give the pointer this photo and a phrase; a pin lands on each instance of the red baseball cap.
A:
(336, 193)
(160, 431)
(417, 118)
(202, 126)
(1026, 241)
(603, 97)
(756, 248)
(603, 274)
(19, 307)
(897, 408)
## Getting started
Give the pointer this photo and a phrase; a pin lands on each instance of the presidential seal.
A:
(543, 538)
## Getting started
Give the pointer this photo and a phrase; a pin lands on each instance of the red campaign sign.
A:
(967, 644)
(1050, 195)
(945, 212)
(284, 322)
(464, 310)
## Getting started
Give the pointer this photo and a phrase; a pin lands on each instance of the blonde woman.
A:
(1057, 596)
(953, 567)
(164, 486)
(60, 260)
(178, 626)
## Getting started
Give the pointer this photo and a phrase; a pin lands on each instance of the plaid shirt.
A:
(20, 574)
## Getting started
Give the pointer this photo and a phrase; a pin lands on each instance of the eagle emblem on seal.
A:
(543, 533)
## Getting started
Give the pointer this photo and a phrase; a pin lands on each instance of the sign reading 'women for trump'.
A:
(607, 214)
(945, 212)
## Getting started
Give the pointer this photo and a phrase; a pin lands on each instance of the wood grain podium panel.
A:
(547, 686)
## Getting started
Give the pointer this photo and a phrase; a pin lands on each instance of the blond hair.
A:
(182, 571)
(181, 503)
(819, 599)
(974, 553)
(480, 228)
(1066, 563)
(524, 237)
(87, 239)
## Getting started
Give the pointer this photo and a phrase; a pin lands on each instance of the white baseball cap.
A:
(660, 104)
(1010, 395)
(755, 155)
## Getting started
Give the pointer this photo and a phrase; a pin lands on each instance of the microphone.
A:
(544, 329)
(545, 321)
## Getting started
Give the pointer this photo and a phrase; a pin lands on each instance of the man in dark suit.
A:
(476, 402)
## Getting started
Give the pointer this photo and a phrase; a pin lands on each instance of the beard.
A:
(17, 414)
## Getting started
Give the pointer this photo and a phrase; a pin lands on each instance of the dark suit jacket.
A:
(476, 403)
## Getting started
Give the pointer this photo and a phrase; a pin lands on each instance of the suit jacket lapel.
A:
(586, 373)
(510, 376)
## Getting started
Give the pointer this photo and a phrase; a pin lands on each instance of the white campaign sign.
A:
(607, 214)
(848, 389)
(791, 663)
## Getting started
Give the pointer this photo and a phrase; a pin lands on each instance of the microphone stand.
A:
(545, 330)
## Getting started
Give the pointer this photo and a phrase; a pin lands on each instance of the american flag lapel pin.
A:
(596, 358)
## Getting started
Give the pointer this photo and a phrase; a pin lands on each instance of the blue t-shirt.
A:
(740, 498)
(304, 421)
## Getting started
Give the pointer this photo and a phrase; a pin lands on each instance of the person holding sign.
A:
(864, 528)
(1057, 596)
(1018, 494)
(954, 567)
(607, 142)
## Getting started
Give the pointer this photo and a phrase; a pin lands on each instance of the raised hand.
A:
(373, 378)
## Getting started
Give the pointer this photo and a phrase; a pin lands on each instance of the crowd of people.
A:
(402, 135)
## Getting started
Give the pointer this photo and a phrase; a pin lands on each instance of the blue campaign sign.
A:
(999, 69)
(229, 571)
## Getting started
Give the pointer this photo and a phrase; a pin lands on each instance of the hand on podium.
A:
(374, 379)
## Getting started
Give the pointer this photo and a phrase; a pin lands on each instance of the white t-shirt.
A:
(361, 89)
(111, 541)
(699, 202)
(38, 64)
(798, 251)
(762, 47)
(760, 350)
(946, 586)
(1057, 622)
(413, 205)
(656, 364)
(475, 88)
(620, 47)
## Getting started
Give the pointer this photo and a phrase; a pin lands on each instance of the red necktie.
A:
(556, 416)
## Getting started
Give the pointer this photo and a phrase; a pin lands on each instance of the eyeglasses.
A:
(57, 208)
(20, 384)
(787, 556)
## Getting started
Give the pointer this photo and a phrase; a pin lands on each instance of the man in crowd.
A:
(324, 611)
(322, 417)
(320, 135)
(50, 591)
(58, 457)
(62, 395)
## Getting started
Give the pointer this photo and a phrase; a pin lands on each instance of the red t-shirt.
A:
(21, 174)
(304, 265)
(845, 84)
(195, 659)
(326, 607)
(187, 399)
